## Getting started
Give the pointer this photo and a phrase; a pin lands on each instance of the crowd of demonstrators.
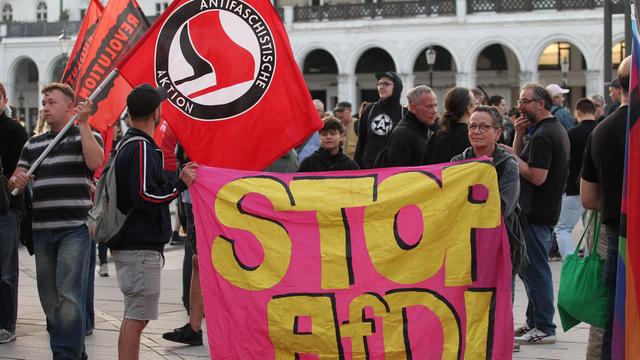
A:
(601, 183)
(572, 210)
(12, 139)
(452, 137)
(329, 157)
(549, 168)
(61, 201)
(378, 119)
(408, 141)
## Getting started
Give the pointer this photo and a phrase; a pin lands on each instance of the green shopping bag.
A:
(582, 296)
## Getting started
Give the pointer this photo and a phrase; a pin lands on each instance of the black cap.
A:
(389, 74)
(615, 83)
(145, 99)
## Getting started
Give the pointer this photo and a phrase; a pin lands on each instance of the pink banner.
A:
(395, 263)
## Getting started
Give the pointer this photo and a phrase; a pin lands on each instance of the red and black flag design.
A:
(83, 40)
(236, 97)
(121, 26)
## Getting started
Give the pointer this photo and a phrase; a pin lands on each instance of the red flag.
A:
(83, 40)
(120, 27)
(236, 96)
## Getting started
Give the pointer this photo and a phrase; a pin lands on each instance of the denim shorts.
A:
(138, 273)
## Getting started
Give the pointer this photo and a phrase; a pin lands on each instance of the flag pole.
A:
(59, 136)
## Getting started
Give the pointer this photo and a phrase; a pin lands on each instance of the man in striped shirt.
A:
(61, 201)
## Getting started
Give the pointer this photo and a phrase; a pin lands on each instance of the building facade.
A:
(498, 45)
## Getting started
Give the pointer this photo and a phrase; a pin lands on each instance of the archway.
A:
(26, 79)
(564, 64)
(320, 70)
(442, 76)
(497, 72)
(371, 61)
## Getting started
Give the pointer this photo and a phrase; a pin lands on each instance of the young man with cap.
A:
(143, 193)
(615, 94)
(378, 119)
(558, 110)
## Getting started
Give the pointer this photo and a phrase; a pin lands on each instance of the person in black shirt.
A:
(408, 140)
(543, 163)
(12, 139)
(572, 209)
(453, 137)
(329, 157)
(378, 119)
(601, 187)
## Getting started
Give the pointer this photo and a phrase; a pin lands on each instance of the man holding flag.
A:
(61, 202)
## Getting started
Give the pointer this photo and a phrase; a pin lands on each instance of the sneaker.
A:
(184, 335)
(535, 336)
(516, 347)
(176, 239)
(104, 270)
(6, 336)
(521, 330)
(89, 332)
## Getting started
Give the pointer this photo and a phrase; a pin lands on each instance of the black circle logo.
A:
(215, 58)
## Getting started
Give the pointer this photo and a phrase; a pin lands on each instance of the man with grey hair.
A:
(598, 101)
(313, 142)
(543, 163)
(408, 140)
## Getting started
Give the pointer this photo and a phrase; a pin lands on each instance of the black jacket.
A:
(322, 160)
(12, 138)
(378, 119)
(444, 145)
(407, 143)
(143, 189)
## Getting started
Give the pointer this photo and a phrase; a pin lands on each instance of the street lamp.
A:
(564, 67)
(64, 40)
(21, 111)
(431, 59)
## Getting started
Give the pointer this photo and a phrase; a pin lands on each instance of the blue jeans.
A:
(570, 213)
(9, 237)
(537, 279)
(62, 264)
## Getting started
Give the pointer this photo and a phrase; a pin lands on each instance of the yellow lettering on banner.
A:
(396, 342)
(457, 181)
(322, 339)
(448, 219)
(329, 197)
(359, 327)
(273, 237)
(424, 259)
(479, 306)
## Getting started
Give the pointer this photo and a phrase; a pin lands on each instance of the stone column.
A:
(593, 82)
(407, 83)
(466, 79)
(347, 88)
(525, 77)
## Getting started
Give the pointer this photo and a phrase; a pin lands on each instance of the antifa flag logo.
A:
(215, 58)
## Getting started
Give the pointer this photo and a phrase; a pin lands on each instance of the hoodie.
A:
(378, 119)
